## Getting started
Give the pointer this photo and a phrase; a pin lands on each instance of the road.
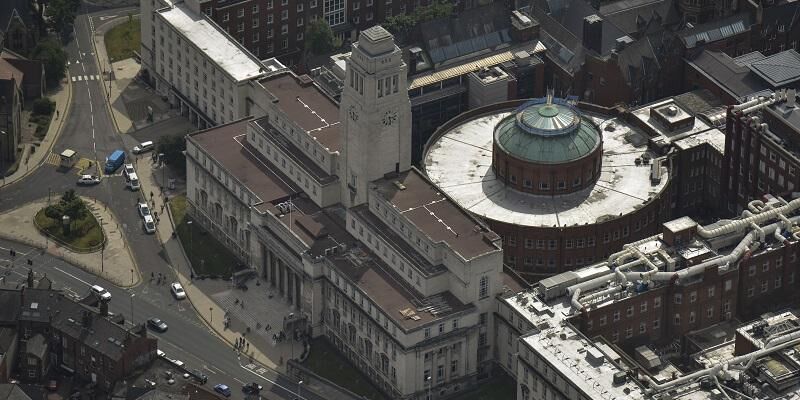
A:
(187, 338)
(89, 130)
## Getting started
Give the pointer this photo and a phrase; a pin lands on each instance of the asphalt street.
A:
(187, 338)
(90, 131)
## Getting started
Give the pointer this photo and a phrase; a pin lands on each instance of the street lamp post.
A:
(132, 296)
(191, 249)
(299, 386)
(131, 276)
(3, 156)
(211, 314)
(430, 383)
(102, 247)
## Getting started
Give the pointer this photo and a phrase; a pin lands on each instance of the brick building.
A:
(760, 148)
(276, 28)
(616, 326)
(54, 331)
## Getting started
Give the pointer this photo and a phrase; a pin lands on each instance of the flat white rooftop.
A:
(570, 352)
(207, 37)
(713, 137)
(459, 163)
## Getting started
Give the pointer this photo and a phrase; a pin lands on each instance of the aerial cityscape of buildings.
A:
(595, 199)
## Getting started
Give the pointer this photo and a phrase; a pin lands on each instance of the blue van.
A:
(114, 161)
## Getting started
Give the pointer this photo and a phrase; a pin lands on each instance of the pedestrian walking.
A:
(248, 346)
(57, 114)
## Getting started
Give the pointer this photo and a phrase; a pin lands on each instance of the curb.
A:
(80, 264)
(182, 279)
(60, 128)
(127, 249)
(106, 90)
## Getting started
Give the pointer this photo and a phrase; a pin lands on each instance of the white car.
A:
(143, 147)
(98, 290)
(144, 209)
(88, 180)
(149, 224)
(160, 353)
(128, 170)
(177, 291)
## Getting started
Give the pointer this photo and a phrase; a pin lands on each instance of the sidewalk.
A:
(117, 265)
(116, 107)
(206, 307)
(63, 99)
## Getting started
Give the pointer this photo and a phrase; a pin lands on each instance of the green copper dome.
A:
(546, 132)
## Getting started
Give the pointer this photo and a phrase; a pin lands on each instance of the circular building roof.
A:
(547, 133)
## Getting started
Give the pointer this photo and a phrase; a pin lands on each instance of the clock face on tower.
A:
(389, 117)
(353, 113)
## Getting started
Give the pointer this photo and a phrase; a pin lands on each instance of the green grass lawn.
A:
(325, 361)
(84, 234)
(499, 387)
(207, 255)
(122, 40)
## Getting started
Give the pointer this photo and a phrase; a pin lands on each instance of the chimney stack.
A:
(593, 33)
(87, 319)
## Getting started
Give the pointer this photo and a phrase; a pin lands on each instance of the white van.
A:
(143, 147)
(133, 181)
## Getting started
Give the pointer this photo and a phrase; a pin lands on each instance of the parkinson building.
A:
(322, 200)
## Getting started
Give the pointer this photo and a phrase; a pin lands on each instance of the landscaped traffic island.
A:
(70, 223)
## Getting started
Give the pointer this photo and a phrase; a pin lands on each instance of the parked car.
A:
(177, 363)
(102, 293)
(88, 180)
(144, 209)
(149, 224)
(160, 353)
(143, 147)
(252, 388)
(133, 182)
(128, 170)
(177, 291)
(222, 389)
(157, 325)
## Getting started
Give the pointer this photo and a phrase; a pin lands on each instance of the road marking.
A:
(250, 366)
(105, 17)
(72, 276)
(267, 379)
(238, 380)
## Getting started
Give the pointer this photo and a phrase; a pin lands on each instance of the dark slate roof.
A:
(638, 59)
(11, 8)
(65, 315)
(570, 14)
(736, 79)
(716, 30)
(779, 69)
(786, 13)
(7, 338)
(632, 16)
(12, 392)
(10, 299)
(469, 32)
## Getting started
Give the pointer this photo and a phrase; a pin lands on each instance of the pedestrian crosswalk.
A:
(78, 78)
(53, 159)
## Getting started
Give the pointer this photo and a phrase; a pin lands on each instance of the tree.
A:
(401, 24)
(54, 58)
(319, 37)
(173, 146)
(61, 14)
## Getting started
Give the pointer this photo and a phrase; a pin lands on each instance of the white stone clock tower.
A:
(376, 114)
